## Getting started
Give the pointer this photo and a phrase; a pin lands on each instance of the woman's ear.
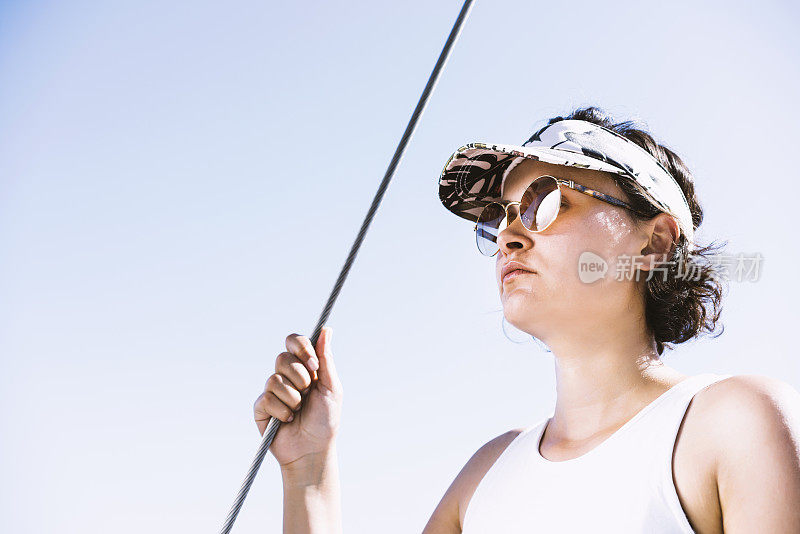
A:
(663, 233)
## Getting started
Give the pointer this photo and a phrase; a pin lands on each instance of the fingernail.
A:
(291, 418)
(313, 364)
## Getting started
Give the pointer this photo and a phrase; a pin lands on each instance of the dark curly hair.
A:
(677, 307)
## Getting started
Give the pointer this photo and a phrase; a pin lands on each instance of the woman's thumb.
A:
(327, 370)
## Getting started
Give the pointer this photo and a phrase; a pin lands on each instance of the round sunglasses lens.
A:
(488, 228)
(540, 203)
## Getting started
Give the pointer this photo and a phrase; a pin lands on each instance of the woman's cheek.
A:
(611, 227)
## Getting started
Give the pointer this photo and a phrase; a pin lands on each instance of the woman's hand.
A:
(306, 388)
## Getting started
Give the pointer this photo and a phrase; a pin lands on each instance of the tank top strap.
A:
(660, 428)
(662, 433)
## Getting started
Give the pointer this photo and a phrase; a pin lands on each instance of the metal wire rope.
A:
(274, 423)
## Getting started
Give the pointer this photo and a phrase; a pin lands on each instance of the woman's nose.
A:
(514, 235)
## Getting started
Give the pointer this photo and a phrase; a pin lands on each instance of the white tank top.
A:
(623, 485)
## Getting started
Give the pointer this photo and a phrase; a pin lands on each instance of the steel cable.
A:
(274, 423)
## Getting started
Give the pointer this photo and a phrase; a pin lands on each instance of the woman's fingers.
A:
(280, 386)
(301, 347)
(262, 416)
(280, 399)
(293, 369)
(327, 370)
(267, 406)
(295, 373)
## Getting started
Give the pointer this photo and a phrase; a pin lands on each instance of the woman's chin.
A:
(518, 317)
(521, 304)
(519, 301)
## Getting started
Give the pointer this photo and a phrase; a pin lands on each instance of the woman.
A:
(592, 226)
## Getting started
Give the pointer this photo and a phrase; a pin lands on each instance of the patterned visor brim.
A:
(473, 176)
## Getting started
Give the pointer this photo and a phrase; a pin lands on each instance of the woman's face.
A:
(553, 299)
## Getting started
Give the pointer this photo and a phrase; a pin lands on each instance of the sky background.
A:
(180, 183)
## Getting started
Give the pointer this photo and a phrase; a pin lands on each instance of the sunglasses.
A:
(538, 208)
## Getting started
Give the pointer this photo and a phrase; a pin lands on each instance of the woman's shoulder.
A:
(741, 413)
(750, 426)
(480, 463)
(489, 452)
(483, 459)
(745, 394)
(449, 513)
(740, 399)
(487, 455)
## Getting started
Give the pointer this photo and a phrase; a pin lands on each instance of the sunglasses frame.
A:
(505, 204)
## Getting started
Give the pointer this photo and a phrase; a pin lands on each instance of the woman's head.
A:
(557, 301)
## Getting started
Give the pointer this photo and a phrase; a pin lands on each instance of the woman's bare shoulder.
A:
(751, 424)
(741, 396)
(480, 463)
(448, 517)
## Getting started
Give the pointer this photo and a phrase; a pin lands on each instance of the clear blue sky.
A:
(180, 183)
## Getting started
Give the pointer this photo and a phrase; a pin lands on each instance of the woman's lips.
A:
(514, 274)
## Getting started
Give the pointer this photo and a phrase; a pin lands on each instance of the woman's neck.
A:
(602, 383)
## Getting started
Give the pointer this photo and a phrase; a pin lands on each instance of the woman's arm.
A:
(311, 495)
(758, 468)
